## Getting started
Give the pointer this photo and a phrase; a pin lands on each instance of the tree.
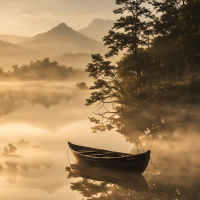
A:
(134, 96)
(130, 32)
(168, 23)
(120, 104)
(41, 70)
(189, 39)
(177, 37)
(115, 98)
(108, 91)
(167, 29)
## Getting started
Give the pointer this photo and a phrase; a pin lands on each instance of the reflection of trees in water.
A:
(14, 162)
(23, 143)
(94, 190)
(12, 99)
(106, 184)
(166, 187)
(158, 189)
(13, 169)
(32, 168)
(9, 150)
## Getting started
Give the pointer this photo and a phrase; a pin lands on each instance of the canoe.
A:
(129, 180)
(110, 159)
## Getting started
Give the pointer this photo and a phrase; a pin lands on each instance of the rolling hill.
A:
(8, 50)
(12, 54)
(13, 38)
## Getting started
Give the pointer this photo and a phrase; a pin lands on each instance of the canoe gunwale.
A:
(126, 156)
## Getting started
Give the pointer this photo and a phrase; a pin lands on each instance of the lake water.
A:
(36, 122)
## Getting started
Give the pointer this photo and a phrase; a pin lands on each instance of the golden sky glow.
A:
(30, 17)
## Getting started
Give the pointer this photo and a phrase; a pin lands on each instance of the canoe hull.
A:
(135, 163)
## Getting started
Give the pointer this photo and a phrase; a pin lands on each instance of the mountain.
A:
(11, 54)
(62, 40)
(79, 60)
(8, 50)
(13, 38)
(97, 29)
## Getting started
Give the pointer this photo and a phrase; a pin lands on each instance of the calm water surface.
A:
(36, 122)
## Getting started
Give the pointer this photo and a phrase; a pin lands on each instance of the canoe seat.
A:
(107, 154)
(88, 152)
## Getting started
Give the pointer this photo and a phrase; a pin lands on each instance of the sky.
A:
(30, 17)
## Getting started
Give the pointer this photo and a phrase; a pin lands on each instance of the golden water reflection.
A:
(103, 183)
(36, 122)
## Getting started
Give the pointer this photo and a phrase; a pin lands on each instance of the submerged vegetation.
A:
(155, 87)
(41, 70)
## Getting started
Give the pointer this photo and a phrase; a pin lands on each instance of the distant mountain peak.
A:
(61, 40)
(60, 28)
(62, 25)
(102, 20)
(97, 28)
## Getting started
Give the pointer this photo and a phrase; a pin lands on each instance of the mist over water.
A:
(37, 119)
(140, 79)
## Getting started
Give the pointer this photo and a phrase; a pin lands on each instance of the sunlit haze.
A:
(30, 17)
(99, 100)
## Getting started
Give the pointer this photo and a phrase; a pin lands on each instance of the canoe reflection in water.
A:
(110, 159)
(104, 183)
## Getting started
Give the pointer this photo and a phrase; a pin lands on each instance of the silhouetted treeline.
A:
(167, 47)
(155, 87)
(41, 70)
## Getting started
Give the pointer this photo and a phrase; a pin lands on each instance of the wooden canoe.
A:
(110, 159)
